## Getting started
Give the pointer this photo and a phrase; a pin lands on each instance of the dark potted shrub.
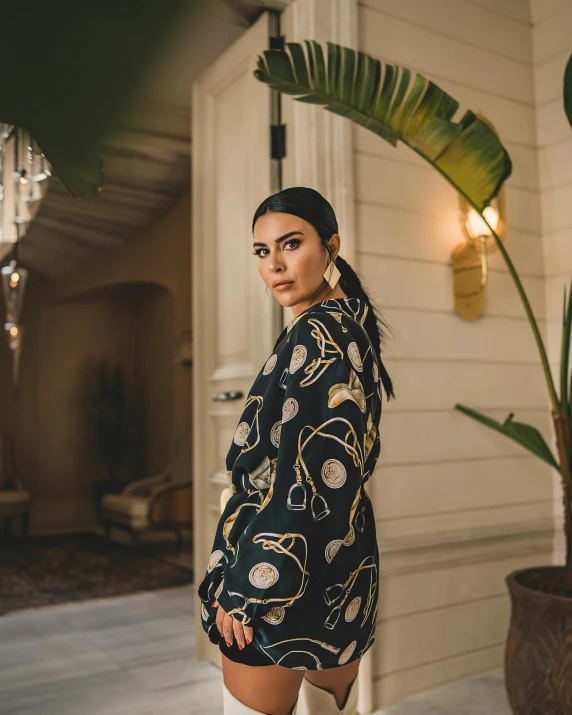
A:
(382, 98)
(111, 430)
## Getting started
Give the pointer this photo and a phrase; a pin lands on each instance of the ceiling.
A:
(147, 159)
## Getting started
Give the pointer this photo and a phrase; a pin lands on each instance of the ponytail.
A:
(352, 287)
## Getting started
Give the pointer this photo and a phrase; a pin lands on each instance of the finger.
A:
(220, 613)
(248, 634)
(227, 629)
(238, 629)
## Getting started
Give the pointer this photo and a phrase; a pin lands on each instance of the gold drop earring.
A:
(332, 274)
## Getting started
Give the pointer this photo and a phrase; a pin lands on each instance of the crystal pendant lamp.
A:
(14, 279)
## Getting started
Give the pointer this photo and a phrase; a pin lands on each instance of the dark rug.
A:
(42, 570)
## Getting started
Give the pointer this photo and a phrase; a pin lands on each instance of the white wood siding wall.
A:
(552, 45)
(459, 506)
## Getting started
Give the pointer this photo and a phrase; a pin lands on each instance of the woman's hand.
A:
(229, 626)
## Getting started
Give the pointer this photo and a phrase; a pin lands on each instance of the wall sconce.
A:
(185, 349)
(469, 259)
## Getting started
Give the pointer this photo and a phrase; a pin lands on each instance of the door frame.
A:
(319, 153)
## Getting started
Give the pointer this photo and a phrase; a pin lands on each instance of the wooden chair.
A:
(14, 497)
(163, 502)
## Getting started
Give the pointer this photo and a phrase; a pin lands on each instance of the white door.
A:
(234, 321)
(235, 324)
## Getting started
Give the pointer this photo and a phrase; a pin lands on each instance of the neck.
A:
(326, 294)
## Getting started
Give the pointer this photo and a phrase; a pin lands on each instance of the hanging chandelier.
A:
(23, 171)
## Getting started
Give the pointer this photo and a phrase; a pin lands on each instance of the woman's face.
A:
(289, 249)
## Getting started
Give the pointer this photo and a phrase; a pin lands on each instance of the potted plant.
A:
(382, 98)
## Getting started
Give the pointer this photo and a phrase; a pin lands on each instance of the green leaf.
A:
(565, 352)
(81, 175)
(568, 90)
(527, 436)
(71, 69)
(382, 98)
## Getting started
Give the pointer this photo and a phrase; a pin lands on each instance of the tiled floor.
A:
(131, 655)
(134, 655)
(481, 695)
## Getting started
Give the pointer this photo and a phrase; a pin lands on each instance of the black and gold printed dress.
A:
(295, 551)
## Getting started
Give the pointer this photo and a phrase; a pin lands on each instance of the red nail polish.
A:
(247, 642)
(228, 644)
(240, 646)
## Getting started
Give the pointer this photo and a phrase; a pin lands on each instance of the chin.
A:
(286, 301)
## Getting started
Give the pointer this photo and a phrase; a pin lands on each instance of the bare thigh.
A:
(270, 689)
(336, 680)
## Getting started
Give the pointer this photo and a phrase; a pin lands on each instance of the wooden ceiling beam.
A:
(79, 233)
(148, 144)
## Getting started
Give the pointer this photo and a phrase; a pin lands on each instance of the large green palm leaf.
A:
(71, 70)
(384, 99)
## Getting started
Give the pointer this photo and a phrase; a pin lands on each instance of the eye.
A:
(295, 241)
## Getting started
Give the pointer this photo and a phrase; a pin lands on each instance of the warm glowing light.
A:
(476, 227)
(14, 278)
(14, 331)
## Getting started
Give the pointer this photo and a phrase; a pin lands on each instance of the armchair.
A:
(14, 497)
(159, 503)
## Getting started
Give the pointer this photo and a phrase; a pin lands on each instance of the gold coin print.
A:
(241, 433)
(353, 608)
(215, 557)
(263, 575)
(347, 654)
(298, 357)
(354, 356)
(275, 433)
(332, 549)
(375, 371)
(289, 409)
(333, 473)
(270, 363)
(204, 612)
(349, 538)
(275, 615)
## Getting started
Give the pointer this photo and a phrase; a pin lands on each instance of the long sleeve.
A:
(305, 516)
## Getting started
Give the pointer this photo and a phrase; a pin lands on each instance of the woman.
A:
(290, 592)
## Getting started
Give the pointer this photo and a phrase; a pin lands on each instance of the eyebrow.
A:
(280, 238)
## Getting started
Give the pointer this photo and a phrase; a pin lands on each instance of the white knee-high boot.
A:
(233, 706)
(314, 700)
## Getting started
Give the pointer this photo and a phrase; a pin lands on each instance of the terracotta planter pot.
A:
(538, 656)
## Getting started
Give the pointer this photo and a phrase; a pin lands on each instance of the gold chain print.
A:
(295, 555)
(322, 342)
(334, 592)
(259, 574)
(243, 430)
